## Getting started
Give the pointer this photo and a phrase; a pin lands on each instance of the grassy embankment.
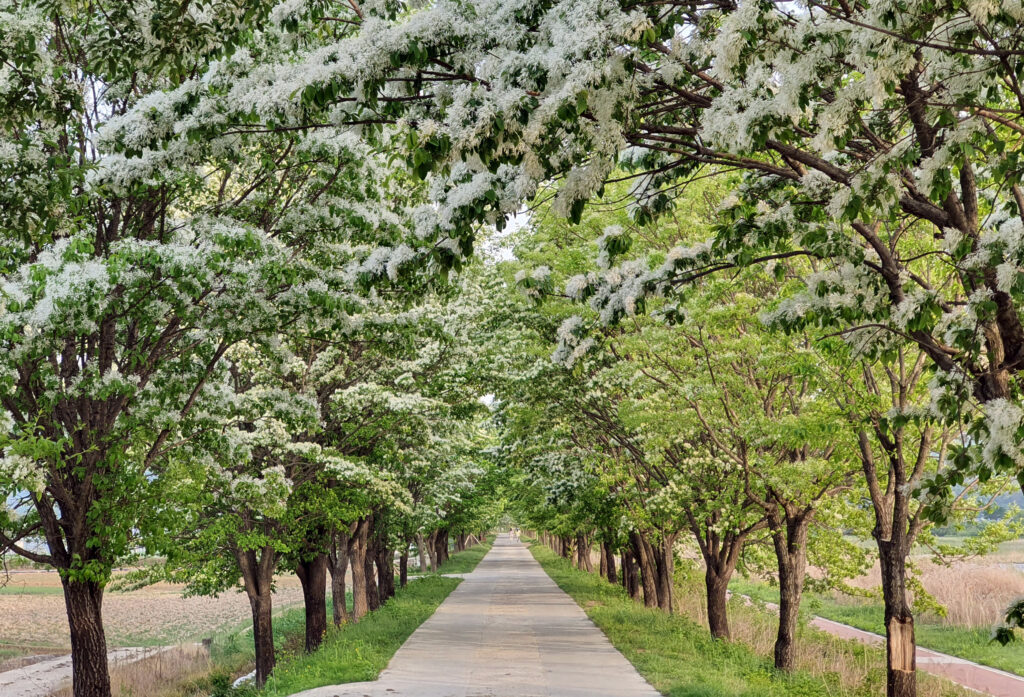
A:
(973, 644)
(677, 655)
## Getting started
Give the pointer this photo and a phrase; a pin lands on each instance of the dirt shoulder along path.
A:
(44, 677)
(507, 630)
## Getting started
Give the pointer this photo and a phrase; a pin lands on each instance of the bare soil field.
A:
(33, 620)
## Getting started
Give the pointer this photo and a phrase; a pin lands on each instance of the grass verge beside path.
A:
(680, 659)
(461, 562)
(465, 561)
(359, 652)
(971, 644)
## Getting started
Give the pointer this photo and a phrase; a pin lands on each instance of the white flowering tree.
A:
(131, 271)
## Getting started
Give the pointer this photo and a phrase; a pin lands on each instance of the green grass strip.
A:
(676, 655)
(465, 561)
(462, 562)
(358, 652)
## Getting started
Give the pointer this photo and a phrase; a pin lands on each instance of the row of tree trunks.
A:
(608, 562)
(630, 574)
(646, 566)
(583, 561)
(644, 555)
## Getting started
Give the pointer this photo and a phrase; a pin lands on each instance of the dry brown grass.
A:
(974, 593)
(166, 674)
(818, 653)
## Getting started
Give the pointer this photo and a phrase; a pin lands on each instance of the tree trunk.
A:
(263, 635)
(566, 550)
(630, 576)
(421, 551)
(403, 567)
(337, 564)
(609, 553)
(790, 543)
(583, 553)
(717, 587)
(84, 603)
(644, 555)
(385, 559)
(901, 678)
(313, 578)
(432, 550)
(357, 561)
(258, 579)
(441, 547)
(665, 563)
(373, 599)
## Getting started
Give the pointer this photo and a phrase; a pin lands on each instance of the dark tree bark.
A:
(441, 547)
(373, 599)
(897, 525)
(403, 567)
(313, 578)
(644, 555)
(421, 551)
(566, 547)
(901, 666)
(608, 554)
(583, 553)
(357, 554)
(432, 550)
(258, 579)
(630, 574)
(385, 560)
(789, 537)
(337, 564)
(717, 588)
(665, 563)
(721, 553)
(84, 604)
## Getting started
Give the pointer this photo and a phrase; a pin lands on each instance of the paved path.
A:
(506, 631)
(40, 679)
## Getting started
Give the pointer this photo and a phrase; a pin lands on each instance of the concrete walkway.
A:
(506, 631)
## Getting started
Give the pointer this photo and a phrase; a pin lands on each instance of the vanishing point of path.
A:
(506, 631)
